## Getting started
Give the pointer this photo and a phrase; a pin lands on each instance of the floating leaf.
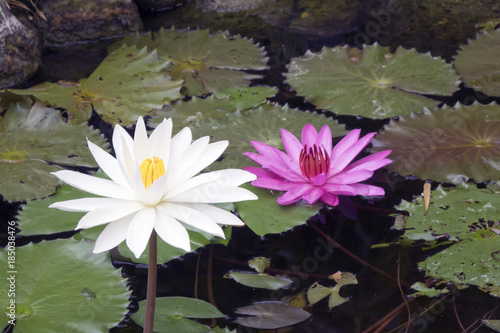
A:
(262, 124)
(62, 286)
(423, 290)
(32, 136)
(318, 292)
(446, 145)
(444, 221)
(259, 264)
(493, 324)
(472, 261)
(207, 63)
(371, 82)
(171, 314)
(478, 65)
(265, 281)
(216, 106)
(271, 315)
(266, 216)
(128, 83)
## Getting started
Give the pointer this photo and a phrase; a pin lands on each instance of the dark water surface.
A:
(303, 253)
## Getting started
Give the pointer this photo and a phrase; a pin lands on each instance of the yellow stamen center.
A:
(151, 170)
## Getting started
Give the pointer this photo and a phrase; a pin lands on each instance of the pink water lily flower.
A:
(312, 170)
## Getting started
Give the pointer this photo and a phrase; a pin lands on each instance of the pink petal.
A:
(309, 135)
(344, 144)
(343, 160)
(313, 195)
(274, 184)
(262, 173)
(363, 189)
(371, 162)
(350, 177)
(271, 160)
(339, 189)
(292, 145)
(325, 138)
(330, 199)
(295, 194)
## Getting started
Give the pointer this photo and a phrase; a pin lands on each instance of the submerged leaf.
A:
(34, 140)
(478, 65)
(317, 292)
(259, 264)
(371, 82)
(452, 144)
(207, 63)
(264, 281)
(62, 286)
(271, 315)
(171, 313)
(422, 290)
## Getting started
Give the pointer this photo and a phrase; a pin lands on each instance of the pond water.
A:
(329, 242)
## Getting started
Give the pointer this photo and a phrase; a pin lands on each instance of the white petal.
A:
(124, 157)
(121, 140)
(85, 204)
(108, 164)
(220, 178)
(140, 229)
(94, 185)
(113, 234)
(219, 215)
(142, 149)
(171, 231)
(160, 140)
(187, 214)
(212, 152)
(109, 213)
(155, 192)
(179, 143)
(188, 158)
(213, 193)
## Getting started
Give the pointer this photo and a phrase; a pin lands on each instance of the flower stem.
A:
(151, 291)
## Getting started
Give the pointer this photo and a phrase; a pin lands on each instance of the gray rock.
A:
(230, 6)
(159, 4)
(20, 50)
(72, 21)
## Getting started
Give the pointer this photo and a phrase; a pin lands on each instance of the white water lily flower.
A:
(155, 184)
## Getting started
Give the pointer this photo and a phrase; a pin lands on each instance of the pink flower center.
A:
(314, 161)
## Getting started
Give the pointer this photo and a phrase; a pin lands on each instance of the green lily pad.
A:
(454, 214)
(216, 106)
(207, 63)
(372, 82)
(259, 264)
(256, 280)
(35, 218)
(266, 216)
(271, 315)
(171, 314)
(317, 292)
(262, 124)
(422, 290)
(62, 286)
(493, 324)
(477, 63)
(472, 261)
(452, 144)
(31, 136)
(128, 83)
